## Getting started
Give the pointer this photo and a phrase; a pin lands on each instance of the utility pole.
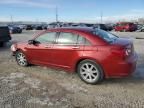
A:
(37, 21)
(56, 14)
(101, 14)
(11, 17)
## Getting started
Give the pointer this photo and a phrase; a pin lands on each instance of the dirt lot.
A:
(41, 87)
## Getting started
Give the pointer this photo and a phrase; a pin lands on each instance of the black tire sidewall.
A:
(101, 75)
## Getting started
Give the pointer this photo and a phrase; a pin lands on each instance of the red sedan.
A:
(125, 26)
(93, 53)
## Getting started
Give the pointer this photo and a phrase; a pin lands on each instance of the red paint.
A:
(125, 26)
(110, 56)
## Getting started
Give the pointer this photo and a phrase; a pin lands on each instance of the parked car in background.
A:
(141, 28)
(22, 26)
(75, 25)
(93, 53)
(54, 25)
(110, 27)
(66, 25)
(14, 29)
(38, 27)
(125, 26)
(101, 26)
(4, 35)
(29, 27)
(89, 25)
(44, 26)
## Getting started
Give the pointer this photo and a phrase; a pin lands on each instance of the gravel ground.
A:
(41, 87)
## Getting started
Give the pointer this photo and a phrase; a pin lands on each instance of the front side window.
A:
(48, 38)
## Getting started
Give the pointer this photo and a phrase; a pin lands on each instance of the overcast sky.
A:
(71, 10)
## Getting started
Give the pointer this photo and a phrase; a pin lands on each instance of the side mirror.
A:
(34, 42)
(30, 42)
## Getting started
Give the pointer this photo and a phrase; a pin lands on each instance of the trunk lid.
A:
(124, 45)
(123, 42)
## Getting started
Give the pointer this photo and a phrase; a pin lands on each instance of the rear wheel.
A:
(21, 59)
(90, 72)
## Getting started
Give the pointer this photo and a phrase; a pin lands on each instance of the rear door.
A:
(41, 53)
(68, 49)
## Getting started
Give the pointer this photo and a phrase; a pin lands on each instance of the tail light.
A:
(118, 52)
(123, 52)
(129, 50)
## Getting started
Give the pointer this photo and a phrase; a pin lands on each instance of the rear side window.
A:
(72, 39)
(67, 39)
(82, 41)
(48, 38)
(108, 37)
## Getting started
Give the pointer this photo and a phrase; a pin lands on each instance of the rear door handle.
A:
(76, 47)
(48, 46)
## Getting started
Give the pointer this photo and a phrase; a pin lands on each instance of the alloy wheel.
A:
(21, 59)
(89, 72)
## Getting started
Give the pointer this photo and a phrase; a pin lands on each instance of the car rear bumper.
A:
(123, 68)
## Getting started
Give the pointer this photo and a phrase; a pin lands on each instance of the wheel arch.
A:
(91, 59)
(21, 50)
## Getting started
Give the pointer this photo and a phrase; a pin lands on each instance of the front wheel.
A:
(21, 59)
(90, 72)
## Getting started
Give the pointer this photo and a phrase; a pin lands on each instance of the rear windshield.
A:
(131, 24)
(108, 37)
(4, 31)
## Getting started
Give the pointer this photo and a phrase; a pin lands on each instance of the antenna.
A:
(101, 17)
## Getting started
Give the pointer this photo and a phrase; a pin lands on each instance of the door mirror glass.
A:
(30, 42)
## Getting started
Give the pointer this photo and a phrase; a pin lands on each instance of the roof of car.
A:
(87, 29)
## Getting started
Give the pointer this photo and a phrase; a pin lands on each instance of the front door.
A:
(40, 53)
(69, 48)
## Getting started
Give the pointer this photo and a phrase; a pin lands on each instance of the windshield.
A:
(105, 35)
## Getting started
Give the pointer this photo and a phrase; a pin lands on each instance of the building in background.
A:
(141, 20)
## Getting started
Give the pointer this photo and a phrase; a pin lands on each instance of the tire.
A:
(21, 59)
(90, 72)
